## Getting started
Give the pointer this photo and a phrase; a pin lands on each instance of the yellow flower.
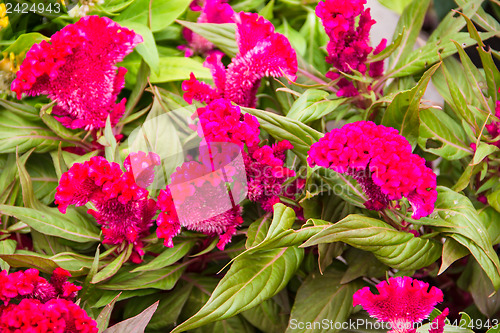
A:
(4, 19)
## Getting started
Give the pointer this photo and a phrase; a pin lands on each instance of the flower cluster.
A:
(76, 69)
(198, 202)
(212, 11)
(122, 206)
(44, 306)
(402, 301)
(494, 127)
(348, 24)
(382, 162)
(222, 122)
(262, 53)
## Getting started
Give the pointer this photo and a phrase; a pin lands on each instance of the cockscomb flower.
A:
(494, 127)
(402, 302)
(220, 121)
(56, 315)
(123, 208)
(266, 173)
(348, 24)
(29, 284)
(212, 11)
(76, 69)
(198, 200)
(381, 161)
(262, 53)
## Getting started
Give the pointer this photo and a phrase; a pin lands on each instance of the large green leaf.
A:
(466, 228)
(410, 25)
(161, 13)
(221, 35)
(24, 43)
(250, 281)
(398, 249)
(268, 316)
(7, 246)
(147, 49)
(30, 261)
(313, 104)
(403, 112)
(322, 298)
(437, 125)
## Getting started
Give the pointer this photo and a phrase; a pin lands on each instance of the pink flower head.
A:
(402, 302)
(56, 315)
(262, 53)
(212, 11)
(198, 200)
(28, 284)
(220, 121)
(381, 161)
(142, 165)
(76, 68)
(122, 206)
(266, 173)
(348, 25)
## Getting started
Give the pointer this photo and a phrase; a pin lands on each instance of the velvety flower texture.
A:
(402, 301)
(381, 161)
(57, 316)
(200, 197)
(212, 11)
(348, 25)
(262, 53)
(76, 68)
(220, 121)
(122, 206)
(28, 284)
(494, 127)
(44, 307)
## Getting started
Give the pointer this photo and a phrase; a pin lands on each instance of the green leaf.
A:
(359, 264)
(482, 291)
(452, 251)
(136, 324)
(268, 316)
(467, 230)
(489, 218)
(389, 50)
(250, 281)
(163, 279)
(179, 68)
(112, 268)
(267, 11)
(396, 5)
(432, 52)
(167, 257)
(397, 249)
(313, 105)
(322, 297)
(403, 112)
(161, 12)
(52, 222)
(7, 246)
(482, 151)
(409, 25)
(147, 49)
(30, 261)
(221, 35)
(24, 42)
(300, 136)
(437, 125)
(170, 307)
(103, 317)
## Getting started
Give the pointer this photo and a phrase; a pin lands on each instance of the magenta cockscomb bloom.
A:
(212, 11)
(402, 302)
(262, 53)
(200, 203)
(266, 173)
(56, 315)
(348, 25)
(76, 69)
(494, 127)
(381, 161)
(123, 208)
(220, 121)
(29, 284)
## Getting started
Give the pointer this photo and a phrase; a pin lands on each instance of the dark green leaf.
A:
(30, 261)
(167, 257)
